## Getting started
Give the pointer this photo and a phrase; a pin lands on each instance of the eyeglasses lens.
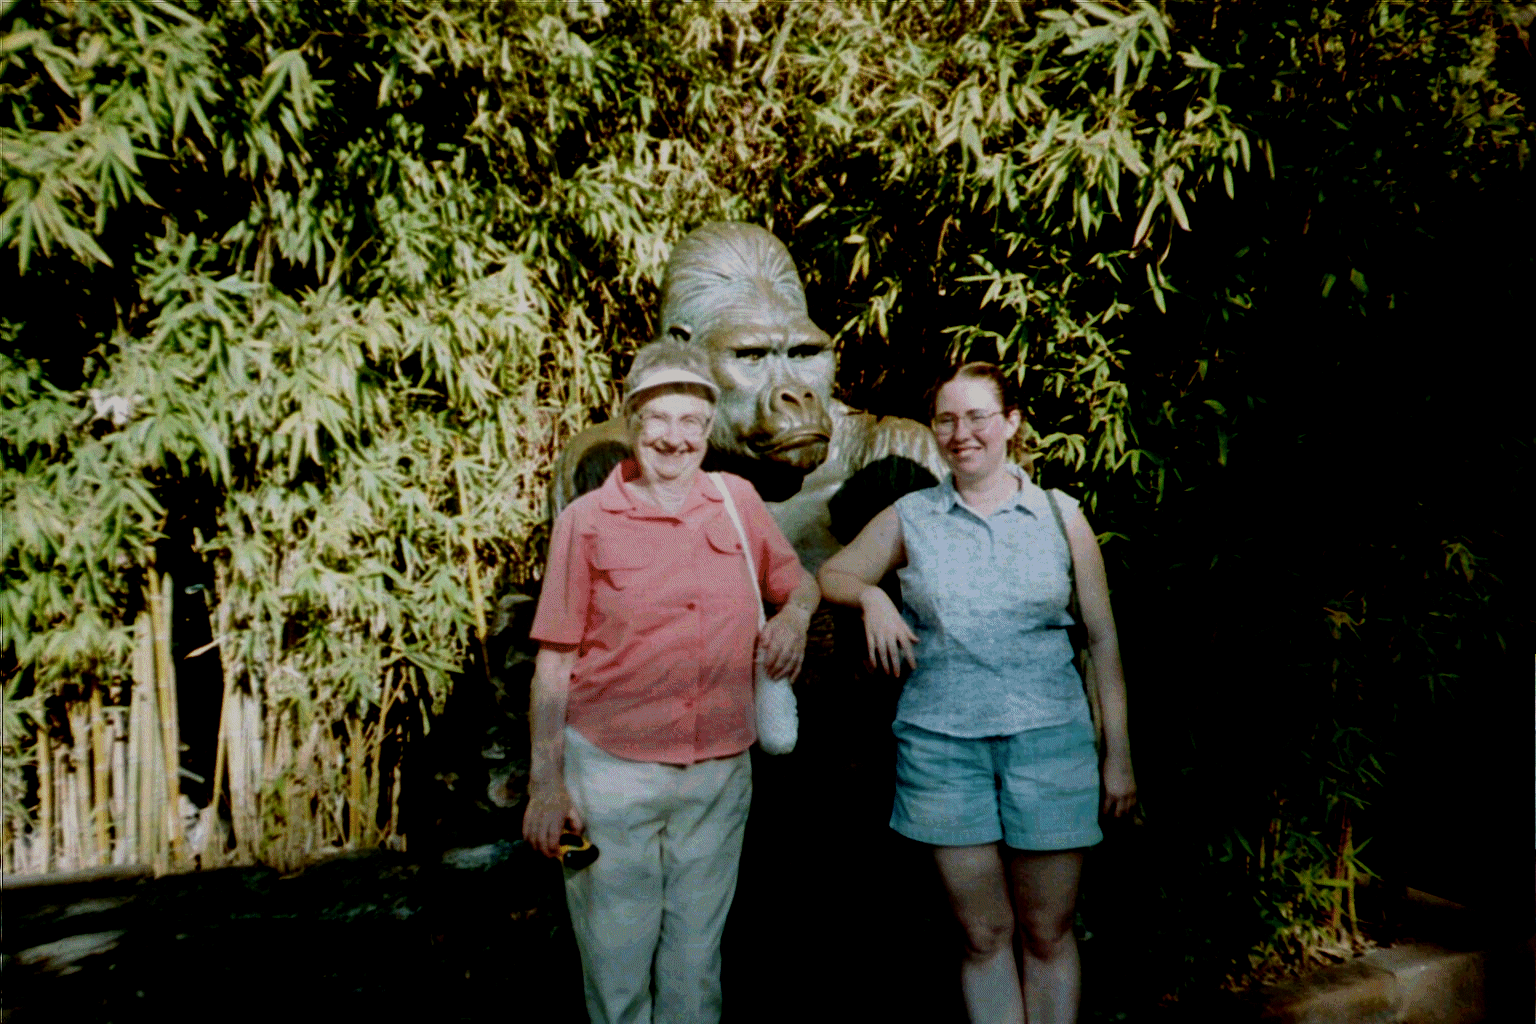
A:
(945, 424)
(689, 426)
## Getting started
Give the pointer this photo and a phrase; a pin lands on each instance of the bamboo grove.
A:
(454, 216)
(342, 277)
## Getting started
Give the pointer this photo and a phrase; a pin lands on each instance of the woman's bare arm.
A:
(852, 576)
(1104, 646)
(549, 803)
(781, 643)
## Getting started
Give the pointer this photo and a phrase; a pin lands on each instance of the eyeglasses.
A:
(945, 423)
(692, 427)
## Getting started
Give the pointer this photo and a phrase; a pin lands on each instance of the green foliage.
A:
(396, 247)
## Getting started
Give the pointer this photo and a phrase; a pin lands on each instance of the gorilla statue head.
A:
(733, 288)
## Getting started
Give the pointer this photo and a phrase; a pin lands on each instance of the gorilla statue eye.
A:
(806, 351)
(751, 355)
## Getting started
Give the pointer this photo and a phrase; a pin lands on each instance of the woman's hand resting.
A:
(889, 639)
(781, 643)
(1119, 785)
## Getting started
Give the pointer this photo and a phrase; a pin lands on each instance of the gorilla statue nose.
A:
(802, 397)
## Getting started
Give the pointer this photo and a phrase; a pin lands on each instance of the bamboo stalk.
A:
(357, 819)
(306, 784)
(220, 753)
(1339, 872)
(80, 765)
(165, 690)
(45, 795)
(394, 809)
(270, 722)
(69, 824)
(137, 839)
(1349, 865)
(377, 793)
(252, 719)
(122, 803)
(471, 567)
(278, 742)
(101, 766)
(236, 748)
(146, 728)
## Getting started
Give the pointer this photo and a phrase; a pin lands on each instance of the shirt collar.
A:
(1028, 497)
(615, 496)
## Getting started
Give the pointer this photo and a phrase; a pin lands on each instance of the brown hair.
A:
(1007, 391)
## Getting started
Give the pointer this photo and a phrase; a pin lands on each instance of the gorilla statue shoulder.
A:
(823, 469)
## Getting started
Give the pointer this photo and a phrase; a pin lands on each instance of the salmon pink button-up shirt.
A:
(661, 610)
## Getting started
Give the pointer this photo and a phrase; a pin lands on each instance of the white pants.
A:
(649, 912)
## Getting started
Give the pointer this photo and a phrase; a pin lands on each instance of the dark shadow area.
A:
(378, 934)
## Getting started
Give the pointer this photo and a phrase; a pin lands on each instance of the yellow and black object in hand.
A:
(576, 852)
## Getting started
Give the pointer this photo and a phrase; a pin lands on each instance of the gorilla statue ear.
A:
(682, 332)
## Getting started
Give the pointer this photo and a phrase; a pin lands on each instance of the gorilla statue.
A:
(823, 469)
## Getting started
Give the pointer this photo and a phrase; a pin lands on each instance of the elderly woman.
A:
(642, 704)
(995, 765)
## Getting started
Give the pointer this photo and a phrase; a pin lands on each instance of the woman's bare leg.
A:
(978, 891)
(1045, 899)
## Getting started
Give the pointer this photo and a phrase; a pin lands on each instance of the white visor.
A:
(668, 375)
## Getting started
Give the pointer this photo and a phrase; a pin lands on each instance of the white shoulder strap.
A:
(746, 547)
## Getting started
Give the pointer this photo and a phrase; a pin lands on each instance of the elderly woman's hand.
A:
(550, 812)
(781, 642)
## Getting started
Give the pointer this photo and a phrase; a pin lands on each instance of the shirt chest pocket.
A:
(619, 561)
(723, 538)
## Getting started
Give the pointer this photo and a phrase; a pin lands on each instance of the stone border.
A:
(1407, 984)
(111, 872)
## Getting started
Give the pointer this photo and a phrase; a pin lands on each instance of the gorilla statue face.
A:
(734, 289)
(775, 385)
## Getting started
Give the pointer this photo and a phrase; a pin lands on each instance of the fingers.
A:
(536, 830)
(786, 663)
(888, 643)
(879, 657)
(545, 821)
(781, 652)
(1118, 804)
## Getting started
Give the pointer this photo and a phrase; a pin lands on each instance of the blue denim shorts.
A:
(1034, 790)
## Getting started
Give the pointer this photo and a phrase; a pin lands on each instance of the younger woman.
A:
(996, 767)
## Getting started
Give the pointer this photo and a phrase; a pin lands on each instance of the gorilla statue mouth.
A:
(792, 440)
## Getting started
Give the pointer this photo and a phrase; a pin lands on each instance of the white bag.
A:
(778, 720)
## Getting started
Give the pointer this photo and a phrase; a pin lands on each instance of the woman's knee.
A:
(988, 933)
(1045, 932)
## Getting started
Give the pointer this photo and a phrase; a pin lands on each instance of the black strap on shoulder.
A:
(1061, 525)
(1077, 632)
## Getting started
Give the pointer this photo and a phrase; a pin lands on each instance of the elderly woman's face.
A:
(672, 435)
